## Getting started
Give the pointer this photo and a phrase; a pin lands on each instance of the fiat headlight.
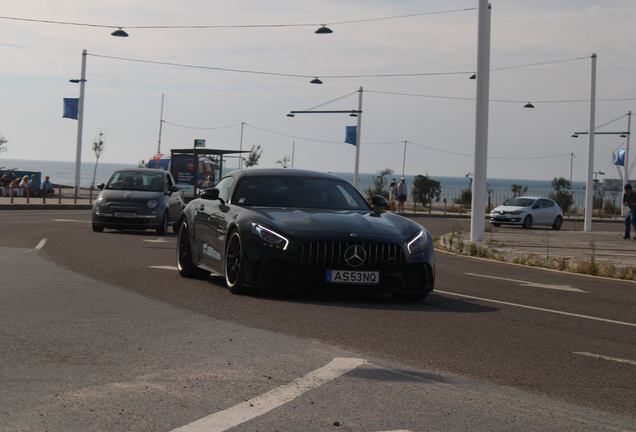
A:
(101, 202)
(152, 204)
(269, 238)
(418, 243)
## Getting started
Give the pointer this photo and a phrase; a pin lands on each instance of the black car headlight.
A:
(101, 202)
(516, 213)
(417, 243)
(268, 237)
(152, 204)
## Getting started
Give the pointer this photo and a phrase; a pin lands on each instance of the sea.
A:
(63, 173)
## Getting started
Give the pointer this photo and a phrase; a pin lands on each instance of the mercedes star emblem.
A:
(355, 255)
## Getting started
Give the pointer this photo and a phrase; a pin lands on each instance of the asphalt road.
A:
(99, 332)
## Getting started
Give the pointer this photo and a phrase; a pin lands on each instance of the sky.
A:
(254, 64)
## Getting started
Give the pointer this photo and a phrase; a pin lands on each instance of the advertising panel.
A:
(183, 172)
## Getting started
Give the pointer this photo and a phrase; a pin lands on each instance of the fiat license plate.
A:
(125, 214)
(353, 277)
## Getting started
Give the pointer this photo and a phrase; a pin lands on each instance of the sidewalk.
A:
(63, 200)
(601, 253)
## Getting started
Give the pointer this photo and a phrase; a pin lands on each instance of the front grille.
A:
(331, 254)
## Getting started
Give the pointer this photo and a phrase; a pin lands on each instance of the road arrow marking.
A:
(632, 362)
(532, 284)
(243, 412)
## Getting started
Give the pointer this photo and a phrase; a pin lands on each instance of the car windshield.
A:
(521, 202)
(298, 191)
(135, 180)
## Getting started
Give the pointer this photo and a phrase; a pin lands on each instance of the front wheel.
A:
(185, 265)
(527, 222)
(98, 228)
(557, 223)
(234, 265)
(163, 228)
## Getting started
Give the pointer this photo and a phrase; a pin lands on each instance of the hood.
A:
(509, 209)
(335, 221)
(128, 195)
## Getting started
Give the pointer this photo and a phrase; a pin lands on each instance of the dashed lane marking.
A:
(243, 412)
(160, 240)
(41, 244)
(164, 267)
(71, 220)
(538, 309)
(531, 284)
(631, 362)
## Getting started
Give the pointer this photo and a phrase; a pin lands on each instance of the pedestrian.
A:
(34, 187)
(209, 183)
(629, 200)
(393, 194)
(47, 187)
(402, 191)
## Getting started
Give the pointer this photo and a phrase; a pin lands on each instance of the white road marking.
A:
(41, 244)
(243, 412)
(540, 309)
(164, 267)
(71, 220)
(159, 240)
(532, 284)
(631, 362)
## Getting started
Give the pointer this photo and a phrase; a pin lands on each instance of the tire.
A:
(98, 228)
(557, 223)
(527, 222)
(495, 224)
(409, 296)
(163, 229)
(185, 265)
(234, 265)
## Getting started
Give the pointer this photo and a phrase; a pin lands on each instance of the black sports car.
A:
(288, 229)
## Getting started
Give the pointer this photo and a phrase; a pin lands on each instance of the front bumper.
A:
(506, 220)
(140, 221)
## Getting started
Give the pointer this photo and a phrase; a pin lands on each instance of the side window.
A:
(224, 187)
(547, 203)
(169, 181)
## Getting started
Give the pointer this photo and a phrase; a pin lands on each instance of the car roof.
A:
(288, 172)
(142, 170)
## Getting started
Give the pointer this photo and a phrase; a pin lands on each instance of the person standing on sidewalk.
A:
(403, 191)
(629, 200)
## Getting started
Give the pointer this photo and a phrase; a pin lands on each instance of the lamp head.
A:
(324, 30)
(119, 33)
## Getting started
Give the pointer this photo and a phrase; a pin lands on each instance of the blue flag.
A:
(620, 158)
(350, 137)
(71, 108)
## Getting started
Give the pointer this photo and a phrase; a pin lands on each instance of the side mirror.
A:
(173, 189)
(100, 186)
(210, 194)
(378, 201)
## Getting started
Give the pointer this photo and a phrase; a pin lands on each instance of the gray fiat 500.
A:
(138, 199)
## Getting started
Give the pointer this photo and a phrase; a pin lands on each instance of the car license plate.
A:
(353, 277)
(125, 214)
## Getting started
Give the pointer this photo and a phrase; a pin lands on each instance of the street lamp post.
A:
(80, 124)
(356, 113)
(477, 218)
